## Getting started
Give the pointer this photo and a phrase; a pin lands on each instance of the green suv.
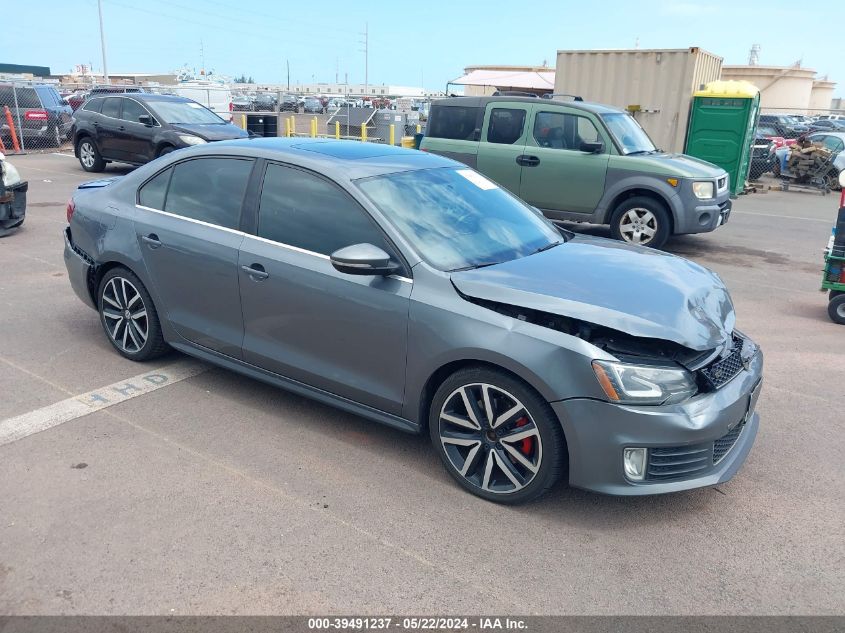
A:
(582, 162)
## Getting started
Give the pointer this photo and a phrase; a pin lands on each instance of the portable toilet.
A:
(722, 122)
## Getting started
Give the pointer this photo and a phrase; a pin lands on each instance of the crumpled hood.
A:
(632, 289)
(212, 132)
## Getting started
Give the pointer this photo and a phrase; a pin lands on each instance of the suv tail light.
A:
(36, 115)
(71, 207)
(231, 107)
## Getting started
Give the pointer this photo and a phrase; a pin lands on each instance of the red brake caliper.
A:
(528, 443)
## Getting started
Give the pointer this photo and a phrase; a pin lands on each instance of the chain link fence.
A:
(33, 117)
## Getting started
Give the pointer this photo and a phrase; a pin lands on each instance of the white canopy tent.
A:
(507, 80)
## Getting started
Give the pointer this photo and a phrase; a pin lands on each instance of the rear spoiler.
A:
(96, 184)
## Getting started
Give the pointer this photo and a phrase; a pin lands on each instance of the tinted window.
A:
(152, 193)
(111, 107)
(303, 210)
(505, 126)
(833, 143)
(93, 105)
(132, 110)
(26, 97)
(209, 189)
(454, 122)
(186, 112)
(559, 130)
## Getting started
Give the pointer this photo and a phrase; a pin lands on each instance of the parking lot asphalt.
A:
(210, 493)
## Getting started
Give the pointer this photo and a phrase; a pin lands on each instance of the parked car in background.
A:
(40, 116)
(411, 290)
(212, 95)
(137, 128)
(833, 141)
(242, 103)
(12, 197)
(784, 124)
(265, 101)
(763, 157)
(289, 103)
(767, 131)
(312, 104)
(582, 162)
(832, 125)
(76, 99)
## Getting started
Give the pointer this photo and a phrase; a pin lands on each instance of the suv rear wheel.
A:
(89, 155)
(641, 220)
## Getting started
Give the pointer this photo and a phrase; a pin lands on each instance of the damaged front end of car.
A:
(12, 197)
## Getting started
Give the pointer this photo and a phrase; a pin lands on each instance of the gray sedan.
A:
(411, 290)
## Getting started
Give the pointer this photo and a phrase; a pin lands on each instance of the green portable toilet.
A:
(723, 117)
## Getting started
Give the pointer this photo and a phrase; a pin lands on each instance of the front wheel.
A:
(496, 436)
(129, 317)
(836, 309)
(641, 220)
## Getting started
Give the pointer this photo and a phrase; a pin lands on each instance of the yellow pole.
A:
(314, 127)
(287, 127)
(337, 129)
(419, 128)
(364, 132)
(292, 125)
(243, 121)
(392, 134)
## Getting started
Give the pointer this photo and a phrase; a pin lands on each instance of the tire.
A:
(831, 179)
(643, 215)
(118, 289)
(478, 456)
(165, 150)
(56, 136)
(834, 293)
(836, 309)
(89, 155)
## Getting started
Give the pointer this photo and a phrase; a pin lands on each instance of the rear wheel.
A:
(641, 220)
(165, 150)
(836, 309)
(496, 436)
(129, 317)
(89, 156)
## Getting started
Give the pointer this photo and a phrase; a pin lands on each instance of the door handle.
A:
(527, 161)
(151, 240)
(256, 271)
(121, 128)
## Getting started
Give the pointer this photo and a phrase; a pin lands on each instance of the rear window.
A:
(93, 105)
(26, 97)
(455, 122)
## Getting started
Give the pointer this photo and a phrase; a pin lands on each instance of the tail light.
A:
(231, 107)
(71, 207)
(36, 115)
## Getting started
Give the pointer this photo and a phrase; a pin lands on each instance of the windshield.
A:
(457, 219)
(628, 133)
(186, 112)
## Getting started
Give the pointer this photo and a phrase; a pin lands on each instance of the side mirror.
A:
(146, 119)
(592, 147)
(363, 259)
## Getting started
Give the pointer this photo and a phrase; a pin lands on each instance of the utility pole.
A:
(287, 62)
(366, 51)
(202, 58)
(103, 42)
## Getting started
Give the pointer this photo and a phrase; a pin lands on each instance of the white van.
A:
(214, 96)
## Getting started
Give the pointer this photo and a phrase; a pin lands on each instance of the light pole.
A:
(103, 41)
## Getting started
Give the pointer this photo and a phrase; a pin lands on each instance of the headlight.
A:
(703, 190)
(190, 139)
(10, 174)
(644, 384)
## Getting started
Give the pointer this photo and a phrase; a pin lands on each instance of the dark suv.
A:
(785, 125)
(136, 128)
(40, 115)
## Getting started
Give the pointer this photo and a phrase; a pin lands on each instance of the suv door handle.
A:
(527, 161)
(121, 128)
(151, 240)
(256, 271)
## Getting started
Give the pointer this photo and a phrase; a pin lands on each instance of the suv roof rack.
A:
(557, 95)
(513, 93)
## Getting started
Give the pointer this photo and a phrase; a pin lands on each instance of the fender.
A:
(618, 182)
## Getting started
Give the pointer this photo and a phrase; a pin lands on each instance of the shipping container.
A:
(656, 86)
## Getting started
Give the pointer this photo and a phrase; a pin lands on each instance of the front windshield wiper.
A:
(641, 151)
(473, 267)
(546, 247)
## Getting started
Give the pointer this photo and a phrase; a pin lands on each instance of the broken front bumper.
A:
(12, 206)
(79, 268)
(702, 442)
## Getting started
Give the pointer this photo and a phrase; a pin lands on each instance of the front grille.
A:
(724, 444)
(678, 461)
(722, 371)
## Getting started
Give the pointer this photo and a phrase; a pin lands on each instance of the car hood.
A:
(631, 289)
(677, 165)
(212, 132)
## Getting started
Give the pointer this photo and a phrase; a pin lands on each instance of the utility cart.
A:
(834, 264)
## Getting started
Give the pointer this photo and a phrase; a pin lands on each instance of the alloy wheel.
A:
(125, 315)
(490, 438)
(638, 226)
(86, 154)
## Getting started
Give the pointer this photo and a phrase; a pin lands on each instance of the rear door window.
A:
(562, 130)
(153, 192)
(209, 189)
(506, 125)
(132, 110)
(111, 107)
(455, 122)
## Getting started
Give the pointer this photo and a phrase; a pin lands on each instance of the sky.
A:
(410, 43)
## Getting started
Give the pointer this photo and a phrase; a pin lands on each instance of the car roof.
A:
(481, 102)
(338, 159)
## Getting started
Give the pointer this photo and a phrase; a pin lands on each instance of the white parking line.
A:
(18, 427)
(784, 217)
